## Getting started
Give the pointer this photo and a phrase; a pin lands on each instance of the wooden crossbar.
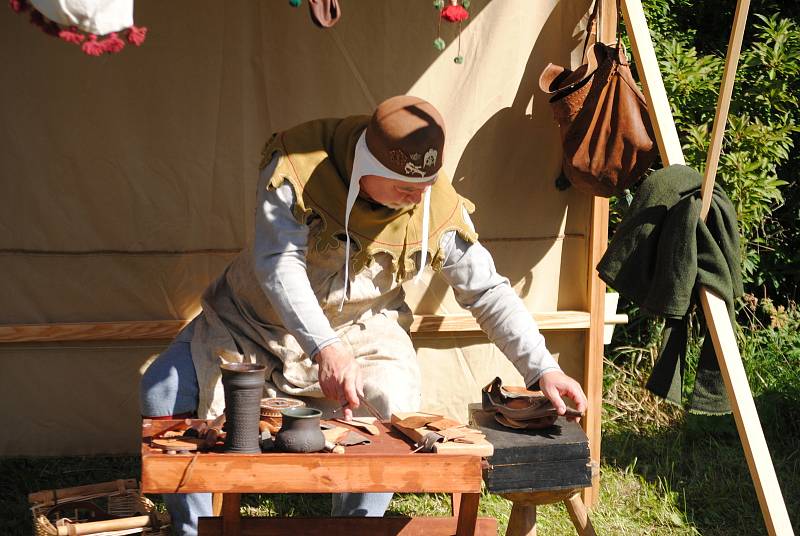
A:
(422, 325)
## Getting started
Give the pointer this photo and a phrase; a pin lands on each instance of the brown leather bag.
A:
(605, 128)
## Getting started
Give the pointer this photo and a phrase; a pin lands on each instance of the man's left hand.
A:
(555, 384)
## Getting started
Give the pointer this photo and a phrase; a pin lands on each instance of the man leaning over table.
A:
(347, 210)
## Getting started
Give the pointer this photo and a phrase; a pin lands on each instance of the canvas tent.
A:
(129, 182)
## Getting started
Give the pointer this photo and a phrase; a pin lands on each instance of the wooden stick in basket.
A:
(54, 496)
(93, 527)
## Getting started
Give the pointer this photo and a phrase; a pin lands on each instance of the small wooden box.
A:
(550, 459)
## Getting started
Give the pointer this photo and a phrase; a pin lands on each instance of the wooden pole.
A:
(593, 353)
(720, 329)
(669, 146)
(723, 104)
(596, 292)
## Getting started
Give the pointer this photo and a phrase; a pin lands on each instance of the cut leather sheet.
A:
(354, 438)
(443, 424)
(417, 420)
(456, 439)
(462, 434)
(364, 423)
(335, 434)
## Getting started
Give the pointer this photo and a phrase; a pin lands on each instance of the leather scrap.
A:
(176, 444)
(418, 421)
(362, 423)
(455, 437)
(444, 424)
(335, 434)
(454, 433)
(354, 438)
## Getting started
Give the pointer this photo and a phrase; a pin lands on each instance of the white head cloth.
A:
(92, 16)
(365, 163)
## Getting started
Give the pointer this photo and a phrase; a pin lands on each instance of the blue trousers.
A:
(169, 387)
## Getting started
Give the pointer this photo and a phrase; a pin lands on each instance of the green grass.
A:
(628, 503)
(20, 476)
(663, 472)
(700, 458)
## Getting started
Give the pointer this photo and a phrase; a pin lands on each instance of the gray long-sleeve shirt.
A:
(280, 247)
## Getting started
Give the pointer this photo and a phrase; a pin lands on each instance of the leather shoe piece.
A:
(519, 408)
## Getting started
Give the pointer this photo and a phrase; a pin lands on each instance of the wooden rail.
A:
(166, 329)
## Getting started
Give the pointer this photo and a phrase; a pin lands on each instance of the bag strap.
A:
(619, 23)
(591, 28)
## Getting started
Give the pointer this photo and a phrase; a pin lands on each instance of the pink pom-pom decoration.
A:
(113, 43)
(92, 47)
(136, 35)
(72, 35)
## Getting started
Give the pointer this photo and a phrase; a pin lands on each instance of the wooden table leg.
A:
(522, 521)
(216, 504)
(579, 515)
(231, 514)
(468, 514)
(455, 503)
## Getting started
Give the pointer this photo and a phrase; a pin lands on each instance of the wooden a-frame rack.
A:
(720, 329)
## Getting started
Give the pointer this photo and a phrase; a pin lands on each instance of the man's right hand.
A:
(340, 377)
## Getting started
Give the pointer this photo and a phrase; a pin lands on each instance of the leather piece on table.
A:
(365, 423)
(418, 421)
(444, 424)
(354, 438)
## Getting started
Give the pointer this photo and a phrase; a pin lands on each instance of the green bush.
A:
(757, 155)
(759, 164)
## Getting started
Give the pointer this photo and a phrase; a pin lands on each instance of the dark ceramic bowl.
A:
(300, 431)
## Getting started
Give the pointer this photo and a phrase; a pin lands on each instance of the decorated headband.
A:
(365, 163)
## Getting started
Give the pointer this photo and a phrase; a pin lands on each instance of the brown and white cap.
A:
(403, 141)
(406, 134)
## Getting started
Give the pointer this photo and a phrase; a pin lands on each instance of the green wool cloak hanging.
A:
(659, 257)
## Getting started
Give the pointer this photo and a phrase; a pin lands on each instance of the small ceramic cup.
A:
(300, 431)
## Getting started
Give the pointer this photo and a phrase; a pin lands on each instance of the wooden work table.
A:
(387, 464)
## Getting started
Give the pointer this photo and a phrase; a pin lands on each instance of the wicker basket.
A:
(87, 509)
(271, 411)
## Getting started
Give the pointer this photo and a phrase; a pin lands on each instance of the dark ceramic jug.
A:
(300, 431)
(244, 387)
